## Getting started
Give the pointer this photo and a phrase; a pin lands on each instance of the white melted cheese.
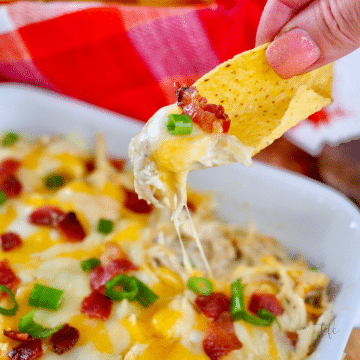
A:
(208, 150)
(85, 352)
(93, 207)
(221, 149)
(64, 274)
(20, 224)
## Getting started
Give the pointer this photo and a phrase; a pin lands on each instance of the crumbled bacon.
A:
(97, 306)
(213, 305)
(133, 203)
(113, 262)
(10, 241)
(101, 274)
(118, 164)
(71, 227)
(210, 117)
(265, 301)
(293, 337)
(8, 167)
(29, 350)
(11, 186)
(7, 276)
(46, 216)
(191, 206)
(220, 338)
(16, 335)
(64, 339)
(90, 165)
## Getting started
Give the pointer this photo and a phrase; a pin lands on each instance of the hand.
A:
(308, 33)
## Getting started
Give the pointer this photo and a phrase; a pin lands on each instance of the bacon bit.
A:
(64, 339)
(7, 277)
(133, 203)
(210, 117)
(89, 165)
(11, 186)
(220, 338)
(118, 164)
(265, 301)
(71, 227)
(191, 206)
(96, 306)
(8, 167)
(46, 216)
(10, 241)
(17, 335)
(293, 337)
(29, 350)
(113, 262)
(213, 305)
(101, 274)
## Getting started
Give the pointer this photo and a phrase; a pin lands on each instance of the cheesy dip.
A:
(89, 271)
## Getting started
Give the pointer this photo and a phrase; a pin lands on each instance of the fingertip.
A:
(292, 53)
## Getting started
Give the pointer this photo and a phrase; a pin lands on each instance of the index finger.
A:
(276, 14)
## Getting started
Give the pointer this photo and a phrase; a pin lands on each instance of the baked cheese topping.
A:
(162, 161)
(72, 223)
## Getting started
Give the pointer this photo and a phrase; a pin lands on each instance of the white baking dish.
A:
(309, 218)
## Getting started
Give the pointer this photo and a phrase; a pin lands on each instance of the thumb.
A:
(321, 33)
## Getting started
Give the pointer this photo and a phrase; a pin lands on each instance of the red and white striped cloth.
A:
(122, 58)
(127, 58)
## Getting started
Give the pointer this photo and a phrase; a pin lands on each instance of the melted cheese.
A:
(162, 162)
(169, 329)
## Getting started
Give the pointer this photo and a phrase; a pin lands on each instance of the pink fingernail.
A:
(292, 53)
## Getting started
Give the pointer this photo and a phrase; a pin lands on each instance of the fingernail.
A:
(292, 53)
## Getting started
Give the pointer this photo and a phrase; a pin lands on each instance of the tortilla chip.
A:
(260, 104)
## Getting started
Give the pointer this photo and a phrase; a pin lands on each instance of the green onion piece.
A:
(9, 139)
(133, 289)
(238, 311)
(179, 124)
(29, 326)
(129, 285)
(105, 226)
(313, 268)
(54, 181)
(145, 295)
(89, 264)
(267, 315)
(14, 309)
(3, 198)
(237, 307)
(45, 297)
(200, 285)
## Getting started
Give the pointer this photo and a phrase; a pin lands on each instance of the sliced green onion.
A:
(14, 309)
(89, 264)
(267, 315)
(29, 326)
(54, 181)
(3, 198)
(45, 297)
(179, 124)
(9, 139)
(105, 226)
(237, 307)
(313, 268)
(238, 311)
(145, 296)
(200, 285)
(129, 285)
(133, 289)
